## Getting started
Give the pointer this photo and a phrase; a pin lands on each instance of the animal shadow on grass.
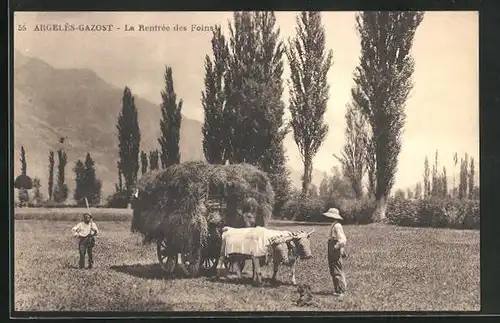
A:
(267, 282)
(150, 271)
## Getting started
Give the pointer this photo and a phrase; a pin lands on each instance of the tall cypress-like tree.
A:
(92, 185)
(444, 182)
(427, 184)
(270, 54)
(79, 193)
(436, 181)
(154, 160)
(353, 157)
(253, 88)
(119, 186)
(240, 90)
(309, 66)
(464, 176)
(23, 182)
(471, 178)
(51, 175)
(213, 99)
(144, 162)
(170, 123)
(129, 137)
(418, 190)
(383, 83)
(61, 190)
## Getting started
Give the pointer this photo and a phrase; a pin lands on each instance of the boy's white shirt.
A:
(337, 232)
(83, 229)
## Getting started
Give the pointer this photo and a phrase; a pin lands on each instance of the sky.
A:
(442, 111)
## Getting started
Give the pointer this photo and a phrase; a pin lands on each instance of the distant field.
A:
(390, 268)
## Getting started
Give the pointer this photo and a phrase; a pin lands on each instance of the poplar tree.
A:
(170, 123)
(309, 65)
(144, 162)
(354, 154)
(50, 186)
(213, 100)
(129, 136)
(383, 82)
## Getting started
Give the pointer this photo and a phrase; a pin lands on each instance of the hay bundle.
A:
(171, 202)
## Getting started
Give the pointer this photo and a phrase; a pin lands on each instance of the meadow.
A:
(390, 268)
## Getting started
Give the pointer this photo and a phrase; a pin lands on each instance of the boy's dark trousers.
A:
(86, 245)
(336, 267)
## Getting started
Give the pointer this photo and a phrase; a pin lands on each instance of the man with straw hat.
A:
(336, 243)
(85, 231)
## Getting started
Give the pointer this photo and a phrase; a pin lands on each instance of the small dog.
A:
(305, 296)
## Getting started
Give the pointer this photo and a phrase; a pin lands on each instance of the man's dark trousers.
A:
(86, 245)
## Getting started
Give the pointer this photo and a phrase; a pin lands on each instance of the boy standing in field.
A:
(85, 231)
(336, 244)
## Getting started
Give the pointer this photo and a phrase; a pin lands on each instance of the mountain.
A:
(76, 104)
(296, 177)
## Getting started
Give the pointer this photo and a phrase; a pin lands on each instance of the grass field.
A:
(390, 268)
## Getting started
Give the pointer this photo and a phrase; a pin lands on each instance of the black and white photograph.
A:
(246, 161)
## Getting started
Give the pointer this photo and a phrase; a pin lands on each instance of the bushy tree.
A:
(309, 65)
(312, 192)
(399, 194)
(170, 123)
(37, 194)
(382, 85)
(409, 193)
(129, 137)
(87, 184)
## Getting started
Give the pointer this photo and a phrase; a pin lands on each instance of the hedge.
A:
(437, 213)
(433, 212)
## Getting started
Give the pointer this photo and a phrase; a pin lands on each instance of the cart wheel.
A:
(166, 259)
(193, 265)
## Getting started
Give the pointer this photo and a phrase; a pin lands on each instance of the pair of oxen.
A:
(260, 245)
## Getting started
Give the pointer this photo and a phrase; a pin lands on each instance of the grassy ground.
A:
(390, 268)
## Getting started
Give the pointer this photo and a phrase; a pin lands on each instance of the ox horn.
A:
(310, 232)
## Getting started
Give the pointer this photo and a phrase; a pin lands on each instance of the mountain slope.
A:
(78, 105)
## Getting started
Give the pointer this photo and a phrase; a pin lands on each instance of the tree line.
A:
(244, 111)
(436, 183)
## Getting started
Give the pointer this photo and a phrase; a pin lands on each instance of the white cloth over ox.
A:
(248, 241)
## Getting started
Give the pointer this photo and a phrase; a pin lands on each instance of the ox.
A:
(258, 244)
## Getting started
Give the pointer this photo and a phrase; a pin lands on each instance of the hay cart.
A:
(184, 207)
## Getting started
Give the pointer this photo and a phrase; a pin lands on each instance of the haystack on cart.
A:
(183, 208)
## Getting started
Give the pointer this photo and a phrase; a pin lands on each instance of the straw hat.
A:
(333, 213)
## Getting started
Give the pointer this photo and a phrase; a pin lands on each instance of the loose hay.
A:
(171, 202)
